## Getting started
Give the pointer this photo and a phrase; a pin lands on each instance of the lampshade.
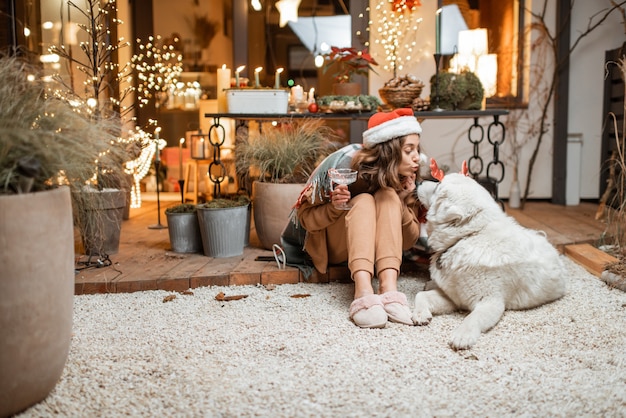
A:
(452, 23)
(288, 11)
(332, 30)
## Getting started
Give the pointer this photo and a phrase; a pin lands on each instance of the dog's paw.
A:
(464, 338)
(421, 317)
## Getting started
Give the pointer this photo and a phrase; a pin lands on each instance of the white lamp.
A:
(473, 42)
(288, 11)
(473, 56)
(487, 72)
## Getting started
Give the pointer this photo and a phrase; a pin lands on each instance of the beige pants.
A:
(369, 235)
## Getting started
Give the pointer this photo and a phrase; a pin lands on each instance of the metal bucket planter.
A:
(101, 221)
(223, 230)
(184, 231)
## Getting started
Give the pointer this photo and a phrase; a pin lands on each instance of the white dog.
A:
(483, 261)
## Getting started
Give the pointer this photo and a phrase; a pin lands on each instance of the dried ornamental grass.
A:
(287, 153)
(45, 142)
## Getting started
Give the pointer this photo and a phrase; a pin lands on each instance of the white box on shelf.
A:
(266, 101)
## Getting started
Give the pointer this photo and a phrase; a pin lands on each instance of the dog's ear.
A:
(452, 214)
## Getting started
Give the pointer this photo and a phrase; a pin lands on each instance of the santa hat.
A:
(384, 126)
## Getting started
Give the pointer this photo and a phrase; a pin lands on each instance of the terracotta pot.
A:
(36, 295)
(271, 209)
(346, 89)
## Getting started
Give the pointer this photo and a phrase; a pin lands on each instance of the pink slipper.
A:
(368, 312)
(397, 307)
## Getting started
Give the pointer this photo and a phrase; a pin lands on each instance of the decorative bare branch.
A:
(546, 37)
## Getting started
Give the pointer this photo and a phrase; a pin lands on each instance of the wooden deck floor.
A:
(145, 262)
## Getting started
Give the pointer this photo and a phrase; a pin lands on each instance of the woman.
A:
(382, 221)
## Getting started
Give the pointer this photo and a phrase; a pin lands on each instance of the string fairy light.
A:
(158, 67)
(140, 166)
(396, 33)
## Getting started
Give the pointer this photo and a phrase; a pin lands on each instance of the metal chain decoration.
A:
(475, 135)
(217, 169)
(496, 125)
(475, 158)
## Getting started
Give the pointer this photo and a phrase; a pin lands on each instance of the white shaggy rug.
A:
(275, 355)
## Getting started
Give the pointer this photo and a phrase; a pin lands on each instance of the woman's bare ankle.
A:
(387, 281)
(362, 284)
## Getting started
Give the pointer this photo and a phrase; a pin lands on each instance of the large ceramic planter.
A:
(272, 205)
(36, 295)
(101, 221)
(184, 232)
(223, 230)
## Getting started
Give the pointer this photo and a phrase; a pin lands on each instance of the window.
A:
(504, 21)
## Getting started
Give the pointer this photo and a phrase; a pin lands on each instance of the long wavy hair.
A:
(378, 165)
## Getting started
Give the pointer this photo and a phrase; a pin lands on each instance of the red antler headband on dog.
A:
(437, 172)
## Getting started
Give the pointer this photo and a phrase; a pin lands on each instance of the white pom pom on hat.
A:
(384, 126)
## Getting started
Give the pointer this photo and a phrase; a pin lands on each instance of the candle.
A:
(296, 93)
(200, 151)
(277, 81)
(312, 95)
(180, 158)
(257, 70)
(223, 82)
(156, 143)
(438, 32)
(237, 71)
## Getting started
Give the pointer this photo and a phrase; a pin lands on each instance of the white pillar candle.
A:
(438, 31)
(296, 93)
(156, 144)
(180, 157)
(200, 149)
(257, 83)
(277, 78)
(223, 83)
(237, 71)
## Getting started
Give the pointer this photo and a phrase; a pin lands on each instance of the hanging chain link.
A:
(217, 169)
(495, 136)
(475, 135)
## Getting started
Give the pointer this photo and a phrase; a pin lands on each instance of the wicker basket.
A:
(398, 97)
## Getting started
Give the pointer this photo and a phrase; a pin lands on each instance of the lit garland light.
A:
(97, 60)
(396, 32)
(158, 67)
(139, 167)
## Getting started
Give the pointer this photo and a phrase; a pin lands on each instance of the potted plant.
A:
(462, 91)
(48, 151)
(183, 228)
(348, 62)
(102, 85)
(224, 226)
(276, 163)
